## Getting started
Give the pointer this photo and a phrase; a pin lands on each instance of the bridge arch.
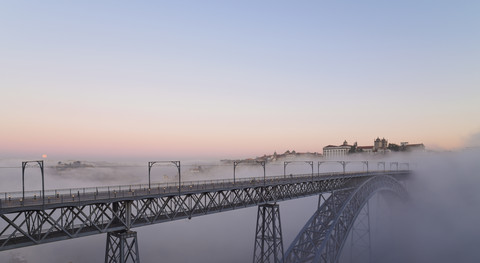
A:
(324, 235)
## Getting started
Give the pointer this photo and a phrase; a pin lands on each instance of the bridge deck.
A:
(62, 215)
(33, 200)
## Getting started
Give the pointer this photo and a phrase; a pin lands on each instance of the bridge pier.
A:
(122, 247)
(268, 235)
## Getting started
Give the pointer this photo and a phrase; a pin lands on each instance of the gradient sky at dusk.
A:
(201, 79)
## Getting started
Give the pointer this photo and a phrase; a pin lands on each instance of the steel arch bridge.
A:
(325, 233)
(41, 217)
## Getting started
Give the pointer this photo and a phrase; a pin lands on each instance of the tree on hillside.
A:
(393, 147)
(353, 149)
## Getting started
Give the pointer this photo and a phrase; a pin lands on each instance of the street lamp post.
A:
(24, 165)
(311, 164)
(235, 163)
(366, 163)
(286, 163)
(318, 166)
(343, 163)
(262, 163)
(382, 163)
(150, 164)
(176, 163)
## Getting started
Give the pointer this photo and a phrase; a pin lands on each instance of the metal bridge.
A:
(32, 218)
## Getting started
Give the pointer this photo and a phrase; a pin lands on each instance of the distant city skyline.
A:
(216, 79)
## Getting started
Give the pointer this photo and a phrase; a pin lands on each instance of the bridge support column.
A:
(122, 247)
(268, 235)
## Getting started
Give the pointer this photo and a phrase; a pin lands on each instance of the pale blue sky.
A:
(235, 78)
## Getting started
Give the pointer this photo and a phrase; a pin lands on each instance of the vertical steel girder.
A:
(323, 236)
(122, 247)
(268, 235)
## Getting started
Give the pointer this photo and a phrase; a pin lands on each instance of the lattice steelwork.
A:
(323, 236)
(268, 235)
(360, 245)
(30, 222)
(122, 247)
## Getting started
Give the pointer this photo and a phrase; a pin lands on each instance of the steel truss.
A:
(323, 236)
(57, 222)
(361, 245)
(122, 247)
(268, 236)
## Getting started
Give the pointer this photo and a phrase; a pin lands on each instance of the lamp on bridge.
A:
(343, 163)
(176, 163)
(24, 165)
(262, 163)
(286, 163)
(235, 163)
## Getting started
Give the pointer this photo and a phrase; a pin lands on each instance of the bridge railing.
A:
(72, 195)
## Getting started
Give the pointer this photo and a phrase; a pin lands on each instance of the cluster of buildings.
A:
(71, 165)
(286, 156)
(380, 146)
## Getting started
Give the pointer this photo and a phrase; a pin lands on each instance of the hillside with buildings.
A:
(379, 147)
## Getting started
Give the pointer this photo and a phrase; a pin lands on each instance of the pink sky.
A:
(149, 81)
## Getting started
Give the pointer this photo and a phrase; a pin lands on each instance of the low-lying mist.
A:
(441, 222)
(438, 225)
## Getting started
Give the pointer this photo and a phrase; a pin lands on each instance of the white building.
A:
(365, 149)
(380, 145)
(333, 151)
(414, 147)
